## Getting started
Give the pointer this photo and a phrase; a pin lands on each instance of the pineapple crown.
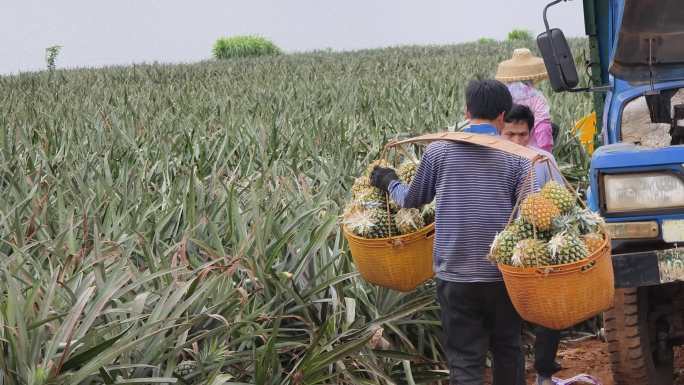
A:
(566, 222)
(557, 242)
(564, 240)
(518, 258)
(527, 249)
(408, 217)
(590, 220)
(359, 221)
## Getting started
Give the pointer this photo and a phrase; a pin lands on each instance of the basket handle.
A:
(530, 178)
(490, 141)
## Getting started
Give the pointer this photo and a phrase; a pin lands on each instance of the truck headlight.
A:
(642, 191)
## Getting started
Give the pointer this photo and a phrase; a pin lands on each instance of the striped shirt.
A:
(475, 189)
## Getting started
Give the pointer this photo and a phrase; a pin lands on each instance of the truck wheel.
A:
(632, 342)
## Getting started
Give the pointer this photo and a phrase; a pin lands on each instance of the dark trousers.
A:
(477, 317)
(545, 349)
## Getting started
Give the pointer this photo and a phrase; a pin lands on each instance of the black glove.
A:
(381, 177)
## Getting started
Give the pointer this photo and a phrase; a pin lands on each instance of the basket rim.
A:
(408, 236)
(565, 268)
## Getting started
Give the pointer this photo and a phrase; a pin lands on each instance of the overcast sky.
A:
(97, 32)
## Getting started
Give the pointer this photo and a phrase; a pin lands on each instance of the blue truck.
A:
(636, 66)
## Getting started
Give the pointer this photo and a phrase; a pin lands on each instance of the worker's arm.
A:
(423, 187)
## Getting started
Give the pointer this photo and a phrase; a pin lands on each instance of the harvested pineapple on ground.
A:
(372, 214)
(551, 230)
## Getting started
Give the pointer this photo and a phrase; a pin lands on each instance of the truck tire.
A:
(632, 342)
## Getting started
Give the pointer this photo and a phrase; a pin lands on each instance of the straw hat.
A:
(522, 66)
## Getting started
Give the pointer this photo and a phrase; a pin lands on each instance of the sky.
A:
(114, 32)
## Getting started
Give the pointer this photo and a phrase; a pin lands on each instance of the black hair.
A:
(520, 113)
(487, 99)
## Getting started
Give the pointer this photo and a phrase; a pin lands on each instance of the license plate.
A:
(673, 231)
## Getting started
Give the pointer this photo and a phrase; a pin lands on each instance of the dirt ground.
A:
(590, 357)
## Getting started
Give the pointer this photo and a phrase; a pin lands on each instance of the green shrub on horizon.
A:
(244, 46)
(520, 34)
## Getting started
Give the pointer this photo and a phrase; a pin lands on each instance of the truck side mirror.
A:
(558, 60)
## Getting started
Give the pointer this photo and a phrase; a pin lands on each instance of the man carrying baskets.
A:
(475, 188)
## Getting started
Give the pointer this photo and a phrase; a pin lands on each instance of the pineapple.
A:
(408, 220)
(370, 223)
(503, 245)
(407, 171)
(184, 368)
(363, 191)
(531, 253)
(567, 247)
(380, 162)
(428, 212)
(593, 242)
(385, 225)
(526, 230)
(561, 196)
(358, 221)
(539, 211)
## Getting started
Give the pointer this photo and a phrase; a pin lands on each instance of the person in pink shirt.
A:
(520, 73)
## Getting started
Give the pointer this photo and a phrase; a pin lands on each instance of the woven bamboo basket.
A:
(400, 263)
(561, 296)
(404, 262)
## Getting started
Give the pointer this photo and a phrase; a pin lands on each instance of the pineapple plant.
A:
(567, 247)
(539, 211)
(531, 253)
(503, 246)
(408, 220)
(559, 195)
(185, 367)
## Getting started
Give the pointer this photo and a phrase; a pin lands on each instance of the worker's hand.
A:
(381, 177)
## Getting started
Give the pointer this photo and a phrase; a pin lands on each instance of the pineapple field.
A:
(180, 224)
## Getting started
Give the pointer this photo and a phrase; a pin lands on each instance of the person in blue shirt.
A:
(517, 130)
(475, 189)
(519, 123)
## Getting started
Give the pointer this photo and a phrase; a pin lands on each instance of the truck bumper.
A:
(648, 268)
